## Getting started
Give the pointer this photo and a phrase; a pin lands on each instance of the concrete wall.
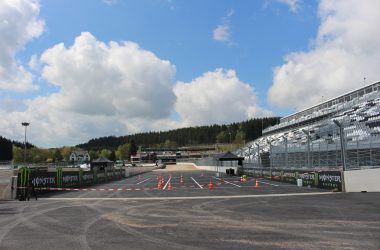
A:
(139, 170)
(362, 180)
(214, 168)
(5, 184)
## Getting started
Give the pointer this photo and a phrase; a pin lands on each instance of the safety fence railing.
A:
(321, 154)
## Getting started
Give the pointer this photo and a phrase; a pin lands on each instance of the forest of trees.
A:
(121, 148)
(6, 148)
(203, 135)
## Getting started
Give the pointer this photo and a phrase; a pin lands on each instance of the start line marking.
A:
(189, 198)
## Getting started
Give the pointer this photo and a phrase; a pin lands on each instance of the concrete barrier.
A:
(5, 184)
(219, 169)
(366, 180)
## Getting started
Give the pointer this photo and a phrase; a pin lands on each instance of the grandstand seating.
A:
(360, 117)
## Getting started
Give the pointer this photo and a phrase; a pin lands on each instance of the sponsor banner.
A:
(70, 179)
(265, 173)
(309, 178)
(330, 180)
(101, 176)
(41, 179)
(289, 176)
(276, 175)
(319, 179)
(87, 178)
(61, 179)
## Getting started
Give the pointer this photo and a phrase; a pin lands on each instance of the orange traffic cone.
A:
(170, 186)
(210, 185)
(257, 183)
(159, 185)
(222, 180)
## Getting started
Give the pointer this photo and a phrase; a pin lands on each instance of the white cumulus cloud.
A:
(293, 5)
(19, 23)
(216, 97)
(346, 49)
(104, 89)
(109, 79)
(222, 32)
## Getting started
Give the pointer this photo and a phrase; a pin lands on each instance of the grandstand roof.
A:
(330, 100)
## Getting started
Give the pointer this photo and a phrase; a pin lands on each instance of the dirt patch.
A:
(178, 167)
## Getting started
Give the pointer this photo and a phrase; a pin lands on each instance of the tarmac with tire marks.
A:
(190, 217)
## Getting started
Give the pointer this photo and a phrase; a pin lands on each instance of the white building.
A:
(80, 156)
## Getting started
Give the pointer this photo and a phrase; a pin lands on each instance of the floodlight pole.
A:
(25, 124)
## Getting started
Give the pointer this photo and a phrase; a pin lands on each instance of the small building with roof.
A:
(80, 156)
(102, 163)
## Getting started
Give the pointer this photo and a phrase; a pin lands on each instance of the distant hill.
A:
(190, 136)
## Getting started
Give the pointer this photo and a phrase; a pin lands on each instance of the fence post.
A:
(286, 151)
(270, 159)
(342, 144)
(258, 155)
(307, 133)
(370, 152)
(357, 153)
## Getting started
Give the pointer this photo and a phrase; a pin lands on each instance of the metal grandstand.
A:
(311, 138)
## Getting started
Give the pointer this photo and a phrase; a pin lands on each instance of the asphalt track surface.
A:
(133, 214)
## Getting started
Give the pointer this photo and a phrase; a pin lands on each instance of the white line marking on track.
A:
(167, 183)
(189, 198)
(143, 181)
(269, 183)
(196, 182)
(228, 182)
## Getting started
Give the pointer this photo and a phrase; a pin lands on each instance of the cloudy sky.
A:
(80, 69)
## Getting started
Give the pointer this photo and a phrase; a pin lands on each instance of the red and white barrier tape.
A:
(91, 189)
